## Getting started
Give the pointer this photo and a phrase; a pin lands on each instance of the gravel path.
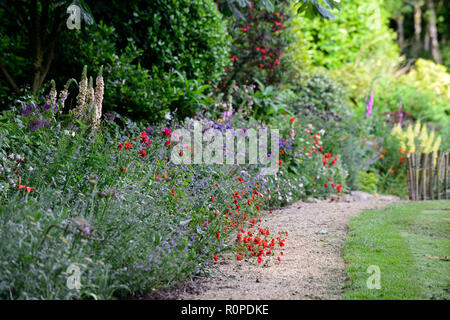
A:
(311, 268)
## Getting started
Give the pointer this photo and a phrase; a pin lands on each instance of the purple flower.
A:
(27, 110)
(369, 105)
(36, 124)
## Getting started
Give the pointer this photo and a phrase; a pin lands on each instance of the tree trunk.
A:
(400, 31)
(426, 41)
(417, 27)
(432, 28)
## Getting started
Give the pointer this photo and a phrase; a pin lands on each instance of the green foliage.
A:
(321, 93)
(445, 51)
(259, 44)
(359, 34)
(133, 89)
(313, 8)
(428, 75)
(184, 35)
(367, 181)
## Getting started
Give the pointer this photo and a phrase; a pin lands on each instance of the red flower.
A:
(124, 169)
(216, 258)
(142, 153)
(128, 145)
(234, 58)
(239, 257)
(212, 198)
(240, 179)
(292, 119)
(120, 146)
(167, 143)
(218, 235)
(167, 131)
(25, 187)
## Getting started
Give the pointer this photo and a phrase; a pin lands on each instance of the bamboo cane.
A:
(445, 174)
(410, 178)
(424, 176)
(413, 176)
(417, 174)
(438, 174)
(431, 176)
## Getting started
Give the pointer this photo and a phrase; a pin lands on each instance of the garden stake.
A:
(410, 182)
(424, 185)
(417, 175)
(431, 176)
(445, 175)
(438, 176)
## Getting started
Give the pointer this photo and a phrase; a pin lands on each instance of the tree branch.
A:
(9, 79)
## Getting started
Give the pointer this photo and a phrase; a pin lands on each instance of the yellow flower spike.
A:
(397, 131)
(437, 144)
(429, 143)
(417, 129)
(410, 137)
(402, 145)
(423, 137)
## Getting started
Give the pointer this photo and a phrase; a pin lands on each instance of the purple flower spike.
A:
(369, 105)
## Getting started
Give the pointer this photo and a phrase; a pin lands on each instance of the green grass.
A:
(409, 243)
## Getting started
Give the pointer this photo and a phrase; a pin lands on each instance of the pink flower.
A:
(167, 131)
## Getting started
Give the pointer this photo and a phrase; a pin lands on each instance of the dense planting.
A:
(89, 178)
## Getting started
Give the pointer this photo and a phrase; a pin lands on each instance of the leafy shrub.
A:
(259, 44)
(321, 93)
(185, 35)
(367, 181)
(429, 76)
(133, 89)
(422, 103)
(360, 34)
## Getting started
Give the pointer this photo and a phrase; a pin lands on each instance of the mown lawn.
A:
(410, 243)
